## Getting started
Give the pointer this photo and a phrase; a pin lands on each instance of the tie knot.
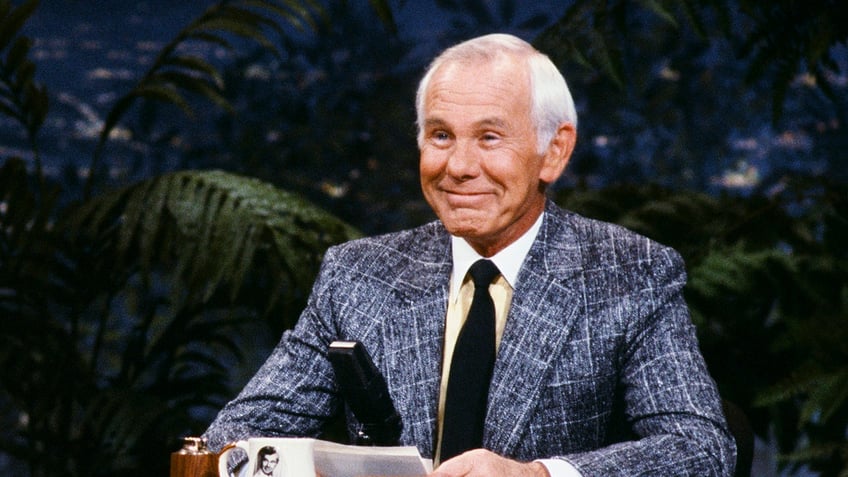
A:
(483, 272)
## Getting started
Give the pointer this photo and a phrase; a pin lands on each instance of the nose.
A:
(463, 162)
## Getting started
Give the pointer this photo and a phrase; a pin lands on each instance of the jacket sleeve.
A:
(670, 401)
(293, 393)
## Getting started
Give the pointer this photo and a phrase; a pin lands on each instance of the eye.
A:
(440, 137)
(489, 138)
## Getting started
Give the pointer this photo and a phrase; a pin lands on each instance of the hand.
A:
(483, 463)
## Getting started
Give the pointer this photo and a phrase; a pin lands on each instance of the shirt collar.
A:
(508, 260)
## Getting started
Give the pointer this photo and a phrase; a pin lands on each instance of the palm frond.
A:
(384, 11)
(738, 271)
(21, 97)
(176, 77)
(662, 11)
(585, 34)
(12, 19)
(214, 226)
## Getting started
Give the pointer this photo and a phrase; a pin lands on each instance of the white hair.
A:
(551, 101)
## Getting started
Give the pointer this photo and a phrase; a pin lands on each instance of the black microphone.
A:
(366, 393)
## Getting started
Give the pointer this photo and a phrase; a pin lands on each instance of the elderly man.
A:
(516, 338)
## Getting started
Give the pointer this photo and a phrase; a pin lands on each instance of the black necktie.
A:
(471, 369)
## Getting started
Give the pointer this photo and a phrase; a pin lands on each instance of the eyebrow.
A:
(438, 123)
(496, 122)
(434, 123)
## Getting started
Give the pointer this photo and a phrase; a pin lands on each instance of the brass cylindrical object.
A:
(194, 459)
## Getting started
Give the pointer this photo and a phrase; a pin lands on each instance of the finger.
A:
(459, 466)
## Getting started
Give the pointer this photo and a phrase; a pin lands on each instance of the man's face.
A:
(480, 169)
(269, 462)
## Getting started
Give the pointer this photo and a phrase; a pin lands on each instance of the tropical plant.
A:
(333, 115)
(672, 99)
(174, 74)
(779, 39)
(125, 315)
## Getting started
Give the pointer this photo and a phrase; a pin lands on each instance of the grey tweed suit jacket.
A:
(598, 365)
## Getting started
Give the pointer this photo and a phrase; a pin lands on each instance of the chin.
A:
(466, 230)
(468, 223)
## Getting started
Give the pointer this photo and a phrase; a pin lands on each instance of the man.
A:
(597, 370)
(267, 460)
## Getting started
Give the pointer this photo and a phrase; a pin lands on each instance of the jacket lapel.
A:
(413, 338)
(544, 303)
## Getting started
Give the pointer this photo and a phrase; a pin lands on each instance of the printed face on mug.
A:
(267, 460)
(270, 457)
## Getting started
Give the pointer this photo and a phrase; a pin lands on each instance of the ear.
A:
(558, 153)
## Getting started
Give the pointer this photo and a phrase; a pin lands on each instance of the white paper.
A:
(338, 460)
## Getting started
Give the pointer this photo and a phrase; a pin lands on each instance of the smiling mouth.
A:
(465, 198)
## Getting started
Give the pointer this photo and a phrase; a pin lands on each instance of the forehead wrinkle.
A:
(452, 85)
(496, 122)
(449, 94)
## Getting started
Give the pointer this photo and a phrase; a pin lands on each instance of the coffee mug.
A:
(271, 457)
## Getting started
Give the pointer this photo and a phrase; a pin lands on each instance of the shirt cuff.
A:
(559, 468)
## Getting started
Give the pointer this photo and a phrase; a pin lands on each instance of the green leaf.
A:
(9, 110)
(193, 84)
(165, 93)
(195, 64)
(384, 11)
(209, 37)
(112, 118)
(660, 11)
(248, 17)
(826, 398)
(211, 225)
(235, 27)
(13, 21)
(17, 54)
(695, 18)
(39, 107)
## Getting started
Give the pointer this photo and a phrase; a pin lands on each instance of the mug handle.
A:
(225, 454)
